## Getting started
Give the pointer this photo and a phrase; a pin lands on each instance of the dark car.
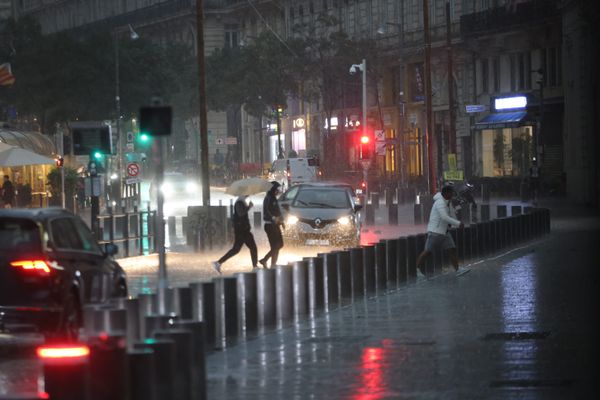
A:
(322, 215)
(50, 266)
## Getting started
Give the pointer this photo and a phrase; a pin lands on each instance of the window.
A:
(551, 61)
(231, 35)
(64, 234)
(87, 239)
(485, 76)
(18, 235)
(496, 74)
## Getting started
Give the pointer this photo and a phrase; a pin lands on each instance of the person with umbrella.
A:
(273, 220)
(242, 233)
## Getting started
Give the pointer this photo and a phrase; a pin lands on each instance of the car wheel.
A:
(70, 319)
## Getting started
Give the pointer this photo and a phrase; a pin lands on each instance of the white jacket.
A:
(442, 215)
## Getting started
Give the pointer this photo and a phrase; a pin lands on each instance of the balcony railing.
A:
(506, 18)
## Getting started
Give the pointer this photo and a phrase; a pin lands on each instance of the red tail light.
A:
(363, 185)
(37, 265)
(62, 352)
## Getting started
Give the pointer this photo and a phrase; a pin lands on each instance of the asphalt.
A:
(520, 325)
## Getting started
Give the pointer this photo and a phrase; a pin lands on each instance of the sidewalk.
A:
(519, 325)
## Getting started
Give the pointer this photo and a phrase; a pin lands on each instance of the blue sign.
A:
(475, 108)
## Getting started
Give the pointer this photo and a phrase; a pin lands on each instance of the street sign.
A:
(475, 108)
(133, 169)
(130, 147)
(380, 147)
(230, 140)
(131, 181)
(219, 141)
(130, 137)
(456, 175)
(379, 135)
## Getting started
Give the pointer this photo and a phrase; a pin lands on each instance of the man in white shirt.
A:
(441, 219)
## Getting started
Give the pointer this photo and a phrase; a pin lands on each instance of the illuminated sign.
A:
(298, 123)
(510, 103)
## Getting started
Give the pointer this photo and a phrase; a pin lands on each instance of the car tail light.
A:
(63, 352)
(37, 265)
(363, 184)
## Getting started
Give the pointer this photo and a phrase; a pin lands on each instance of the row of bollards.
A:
(134, 353)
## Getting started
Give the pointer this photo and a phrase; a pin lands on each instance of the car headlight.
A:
(166, 188)
(291, 220)
(191, 187)
(344, 220)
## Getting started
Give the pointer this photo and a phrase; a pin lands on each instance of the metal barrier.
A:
(126, 227)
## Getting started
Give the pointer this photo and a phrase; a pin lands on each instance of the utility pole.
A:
(428, 97)
(280, 153)
(451, 108)
(204, 167)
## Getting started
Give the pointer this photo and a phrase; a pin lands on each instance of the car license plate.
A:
(317, 242)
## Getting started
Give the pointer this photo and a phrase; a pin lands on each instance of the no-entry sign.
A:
(133, 169)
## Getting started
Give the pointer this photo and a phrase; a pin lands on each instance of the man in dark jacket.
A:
(8, 192)
(242, 234)
(273, 220)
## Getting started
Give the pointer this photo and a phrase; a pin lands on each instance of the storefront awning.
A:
(503, 120)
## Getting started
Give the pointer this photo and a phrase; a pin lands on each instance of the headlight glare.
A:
(344, 220)
(291, 219)
(191, 187)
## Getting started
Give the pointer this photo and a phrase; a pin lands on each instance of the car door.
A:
(288, 197)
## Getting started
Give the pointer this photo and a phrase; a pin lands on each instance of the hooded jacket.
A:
(442, 215)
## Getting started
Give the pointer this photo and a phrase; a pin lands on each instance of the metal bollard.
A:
(198, 353)
(316, 290)
(284, 300)
(485, 212)
(418, 214)
(467, 236)
(171, 227)
(179, 302)
(226, 320)
(459, 240)
(402, 260)
(493, 238)
(246, 303)
(331, 294)
(392, 214)
(421, 238)
(500, 211)
(300, 288)
(66, 378)
(265, 298)
(108, 367)
(203, 308)
(110, 320)
(142, 374)
(368, 261)
(182, 380)
(357, 273)
(369, 214)
(391, 262)
(380, 266)
(412, 252)
(165, 363)
(154, 323)
(344, 276)
(134, 320)
(474, 241)
(389, 197)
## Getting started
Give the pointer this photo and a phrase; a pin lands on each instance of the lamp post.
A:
(133, 36)
(363, 68)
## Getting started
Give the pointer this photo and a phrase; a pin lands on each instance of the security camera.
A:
(353, 70)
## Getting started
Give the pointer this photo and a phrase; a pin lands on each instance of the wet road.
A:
(518, 326)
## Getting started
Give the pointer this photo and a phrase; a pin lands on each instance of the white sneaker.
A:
(217, 267)
(461, 271)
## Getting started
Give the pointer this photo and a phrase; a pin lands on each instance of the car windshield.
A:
(21, 235)
(322, 198)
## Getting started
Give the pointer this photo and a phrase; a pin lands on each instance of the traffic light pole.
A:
(202, 104)
(160, 226)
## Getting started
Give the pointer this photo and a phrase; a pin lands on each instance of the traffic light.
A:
(95, 164)
(60, 161)
(143, 142)
(366, 147)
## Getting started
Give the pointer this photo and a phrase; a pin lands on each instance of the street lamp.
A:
(133, 36)
(363, 68)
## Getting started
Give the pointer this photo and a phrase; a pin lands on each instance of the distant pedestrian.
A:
(8, 193)
(241, 232)
(442, 217)
(273, 220)
(534, 180)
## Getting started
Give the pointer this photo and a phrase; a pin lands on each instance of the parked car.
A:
(292, 171)
(50, 267)
(322, 215)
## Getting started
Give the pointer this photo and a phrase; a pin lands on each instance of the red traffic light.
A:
(365, 139)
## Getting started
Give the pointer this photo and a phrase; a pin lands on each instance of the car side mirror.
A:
(111, 249)
(358, 207)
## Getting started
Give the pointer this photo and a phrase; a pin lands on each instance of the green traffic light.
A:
(144, 138)
(97, 155)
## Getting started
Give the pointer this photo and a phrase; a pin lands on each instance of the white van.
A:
(291, 171)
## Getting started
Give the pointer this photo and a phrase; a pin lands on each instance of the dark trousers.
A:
(275, 241)
(240, 239)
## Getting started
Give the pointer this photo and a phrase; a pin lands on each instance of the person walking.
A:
(442, 217)
(8, 192)
(273, 220)
(242, 234)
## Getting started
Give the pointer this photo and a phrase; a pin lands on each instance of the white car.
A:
(179, 191)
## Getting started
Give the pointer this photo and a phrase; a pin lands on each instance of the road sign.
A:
(131, 181)
(129, 137)
(231, 140)
(130, 147)
(475, 108)
(133, 169)
(380, 147)
(379, 135)
(219, 141)
(456, 175)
